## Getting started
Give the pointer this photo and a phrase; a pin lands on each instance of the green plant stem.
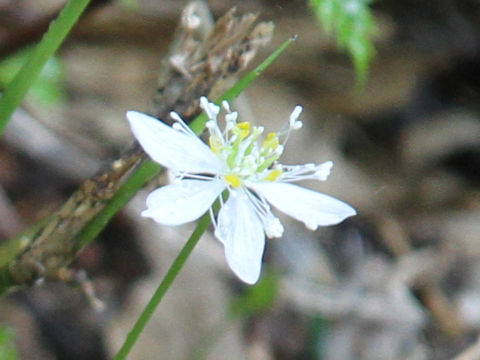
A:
(163, 287)
(197, 126)
(53, 38)
(6, 281)
(245, 81)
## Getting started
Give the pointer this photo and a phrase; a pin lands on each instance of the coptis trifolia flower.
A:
(236, 161)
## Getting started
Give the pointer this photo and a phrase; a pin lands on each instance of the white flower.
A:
(236, 162)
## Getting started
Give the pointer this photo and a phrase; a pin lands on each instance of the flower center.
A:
(244, 158)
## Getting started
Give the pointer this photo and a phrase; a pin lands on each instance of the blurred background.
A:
(398, 281)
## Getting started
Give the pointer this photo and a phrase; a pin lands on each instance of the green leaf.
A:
(47, 89)
(8, 350)
(353, 25)
(319, 329)
(257, 298)
(17, 88)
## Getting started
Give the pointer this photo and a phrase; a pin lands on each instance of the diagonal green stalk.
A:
(197, 126)
(51, 41)
(231, 94)
(163, 287)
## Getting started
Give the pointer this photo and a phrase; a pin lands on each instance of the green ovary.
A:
(249, 163)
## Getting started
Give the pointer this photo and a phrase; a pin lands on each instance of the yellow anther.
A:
(233, 180)
(215, 143)
(245, 125)
(273, 175)
(242, 129)
(271, 142)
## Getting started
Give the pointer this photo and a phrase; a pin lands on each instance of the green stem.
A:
(6, 281)
(197, 126)
(163, 287)
(11, 248)
(53, 38)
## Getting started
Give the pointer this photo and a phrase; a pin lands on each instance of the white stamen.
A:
(211, 124)
(180, 124)
(226, 106)
(215, 109)
(273, 227)
(297, 125)
(294, 115)
(212, 217)
(210, 108)
(323, 171)
(306, 172)
(229, 125)
(231, 117)
(175, 116)
(204, 104)
(271, 224)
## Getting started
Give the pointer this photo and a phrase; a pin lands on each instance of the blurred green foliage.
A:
(48, 89)
(353, 24)
(130, 4)
(319, 328)
(257, 298)
(14, 92)
(8, 350)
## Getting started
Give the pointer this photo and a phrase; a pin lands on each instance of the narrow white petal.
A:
(241, 232)
(311, 207)
(182, 202)
(172, 148)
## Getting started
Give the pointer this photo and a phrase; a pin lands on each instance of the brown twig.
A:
(427, 288)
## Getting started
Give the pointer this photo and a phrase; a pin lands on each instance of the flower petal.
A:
(172, 148)
(311, 207)
(182, 202)
(241, 232)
